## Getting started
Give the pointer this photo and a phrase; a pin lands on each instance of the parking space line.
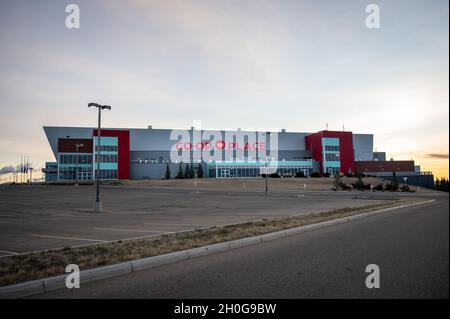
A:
(8, 252)
(131, 230)
(70, 238)
(182, 225)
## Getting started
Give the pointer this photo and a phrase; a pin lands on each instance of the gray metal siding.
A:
(158, 170)
(53, 133)
(363, 146)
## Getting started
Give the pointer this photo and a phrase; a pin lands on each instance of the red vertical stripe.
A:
(123, 137)
(347, 153)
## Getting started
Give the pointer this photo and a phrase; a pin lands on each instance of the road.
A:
(411, 247)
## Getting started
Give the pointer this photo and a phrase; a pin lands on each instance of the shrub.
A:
(167, 175)
(187, 172)
(405, 188)
(390, 187)
(315, 174)
(337, 181)
(345, 186)
(379, 187)
(359, 184)
(200, 171)
(300, 174)
(395, 183)
(180, 174)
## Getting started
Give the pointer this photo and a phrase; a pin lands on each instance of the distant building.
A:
(146, 153)
(379, 156)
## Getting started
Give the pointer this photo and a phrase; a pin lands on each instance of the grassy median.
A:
(21, 268)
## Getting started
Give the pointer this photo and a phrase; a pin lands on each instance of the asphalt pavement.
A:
(34, 218)
(410, 246)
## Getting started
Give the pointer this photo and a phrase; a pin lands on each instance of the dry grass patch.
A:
(20, 268)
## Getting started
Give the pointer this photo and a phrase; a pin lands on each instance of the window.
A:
(332, 157)
(106, 158)
(332, 148)
(107, 174)
(106, 148)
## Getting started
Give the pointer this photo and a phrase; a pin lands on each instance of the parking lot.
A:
(34, 218)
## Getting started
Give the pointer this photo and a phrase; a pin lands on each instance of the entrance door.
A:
(84, 176)
(332, 170)
(225, 173)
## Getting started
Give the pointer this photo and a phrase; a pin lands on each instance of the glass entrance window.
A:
(333, 170)
(225, 173)
(331, 155)
(84, 176)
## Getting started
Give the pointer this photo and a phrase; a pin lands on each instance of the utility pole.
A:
(26, 171)
(98, 203)
(21, 169)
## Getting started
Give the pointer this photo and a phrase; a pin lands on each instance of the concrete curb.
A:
(42, 286)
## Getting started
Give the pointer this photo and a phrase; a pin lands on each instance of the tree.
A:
(359, 184)
(200, 171)
(442, 185)
(180, 174)
(191, 171)
(437, 184)
(167, 175)
(337, 181)
(394, 182)
(187, 172)
(300, 174)
(445, 187)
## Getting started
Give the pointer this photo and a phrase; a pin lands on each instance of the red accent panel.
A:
(123, 166)
(385, 166)
(347, 153)
(314, 143)
(68, 145)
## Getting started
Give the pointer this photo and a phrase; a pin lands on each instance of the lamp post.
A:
(267, 163)
(98, 203)
(31, 175)
(267, 173)
(77, 146)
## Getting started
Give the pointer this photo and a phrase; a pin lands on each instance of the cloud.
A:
(438, 155)
(9, 169)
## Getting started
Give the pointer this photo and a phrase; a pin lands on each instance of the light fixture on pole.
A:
(98, 203)
(31, 175)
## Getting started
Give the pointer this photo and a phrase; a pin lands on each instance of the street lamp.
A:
(98, 203)
(267, 166)
(77, 146)
(266, 178)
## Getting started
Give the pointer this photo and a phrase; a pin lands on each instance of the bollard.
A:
(196, 188)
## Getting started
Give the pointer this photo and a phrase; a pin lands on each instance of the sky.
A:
(252, 64)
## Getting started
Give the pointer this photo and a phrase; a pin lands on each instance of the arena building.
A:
(149, 153)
